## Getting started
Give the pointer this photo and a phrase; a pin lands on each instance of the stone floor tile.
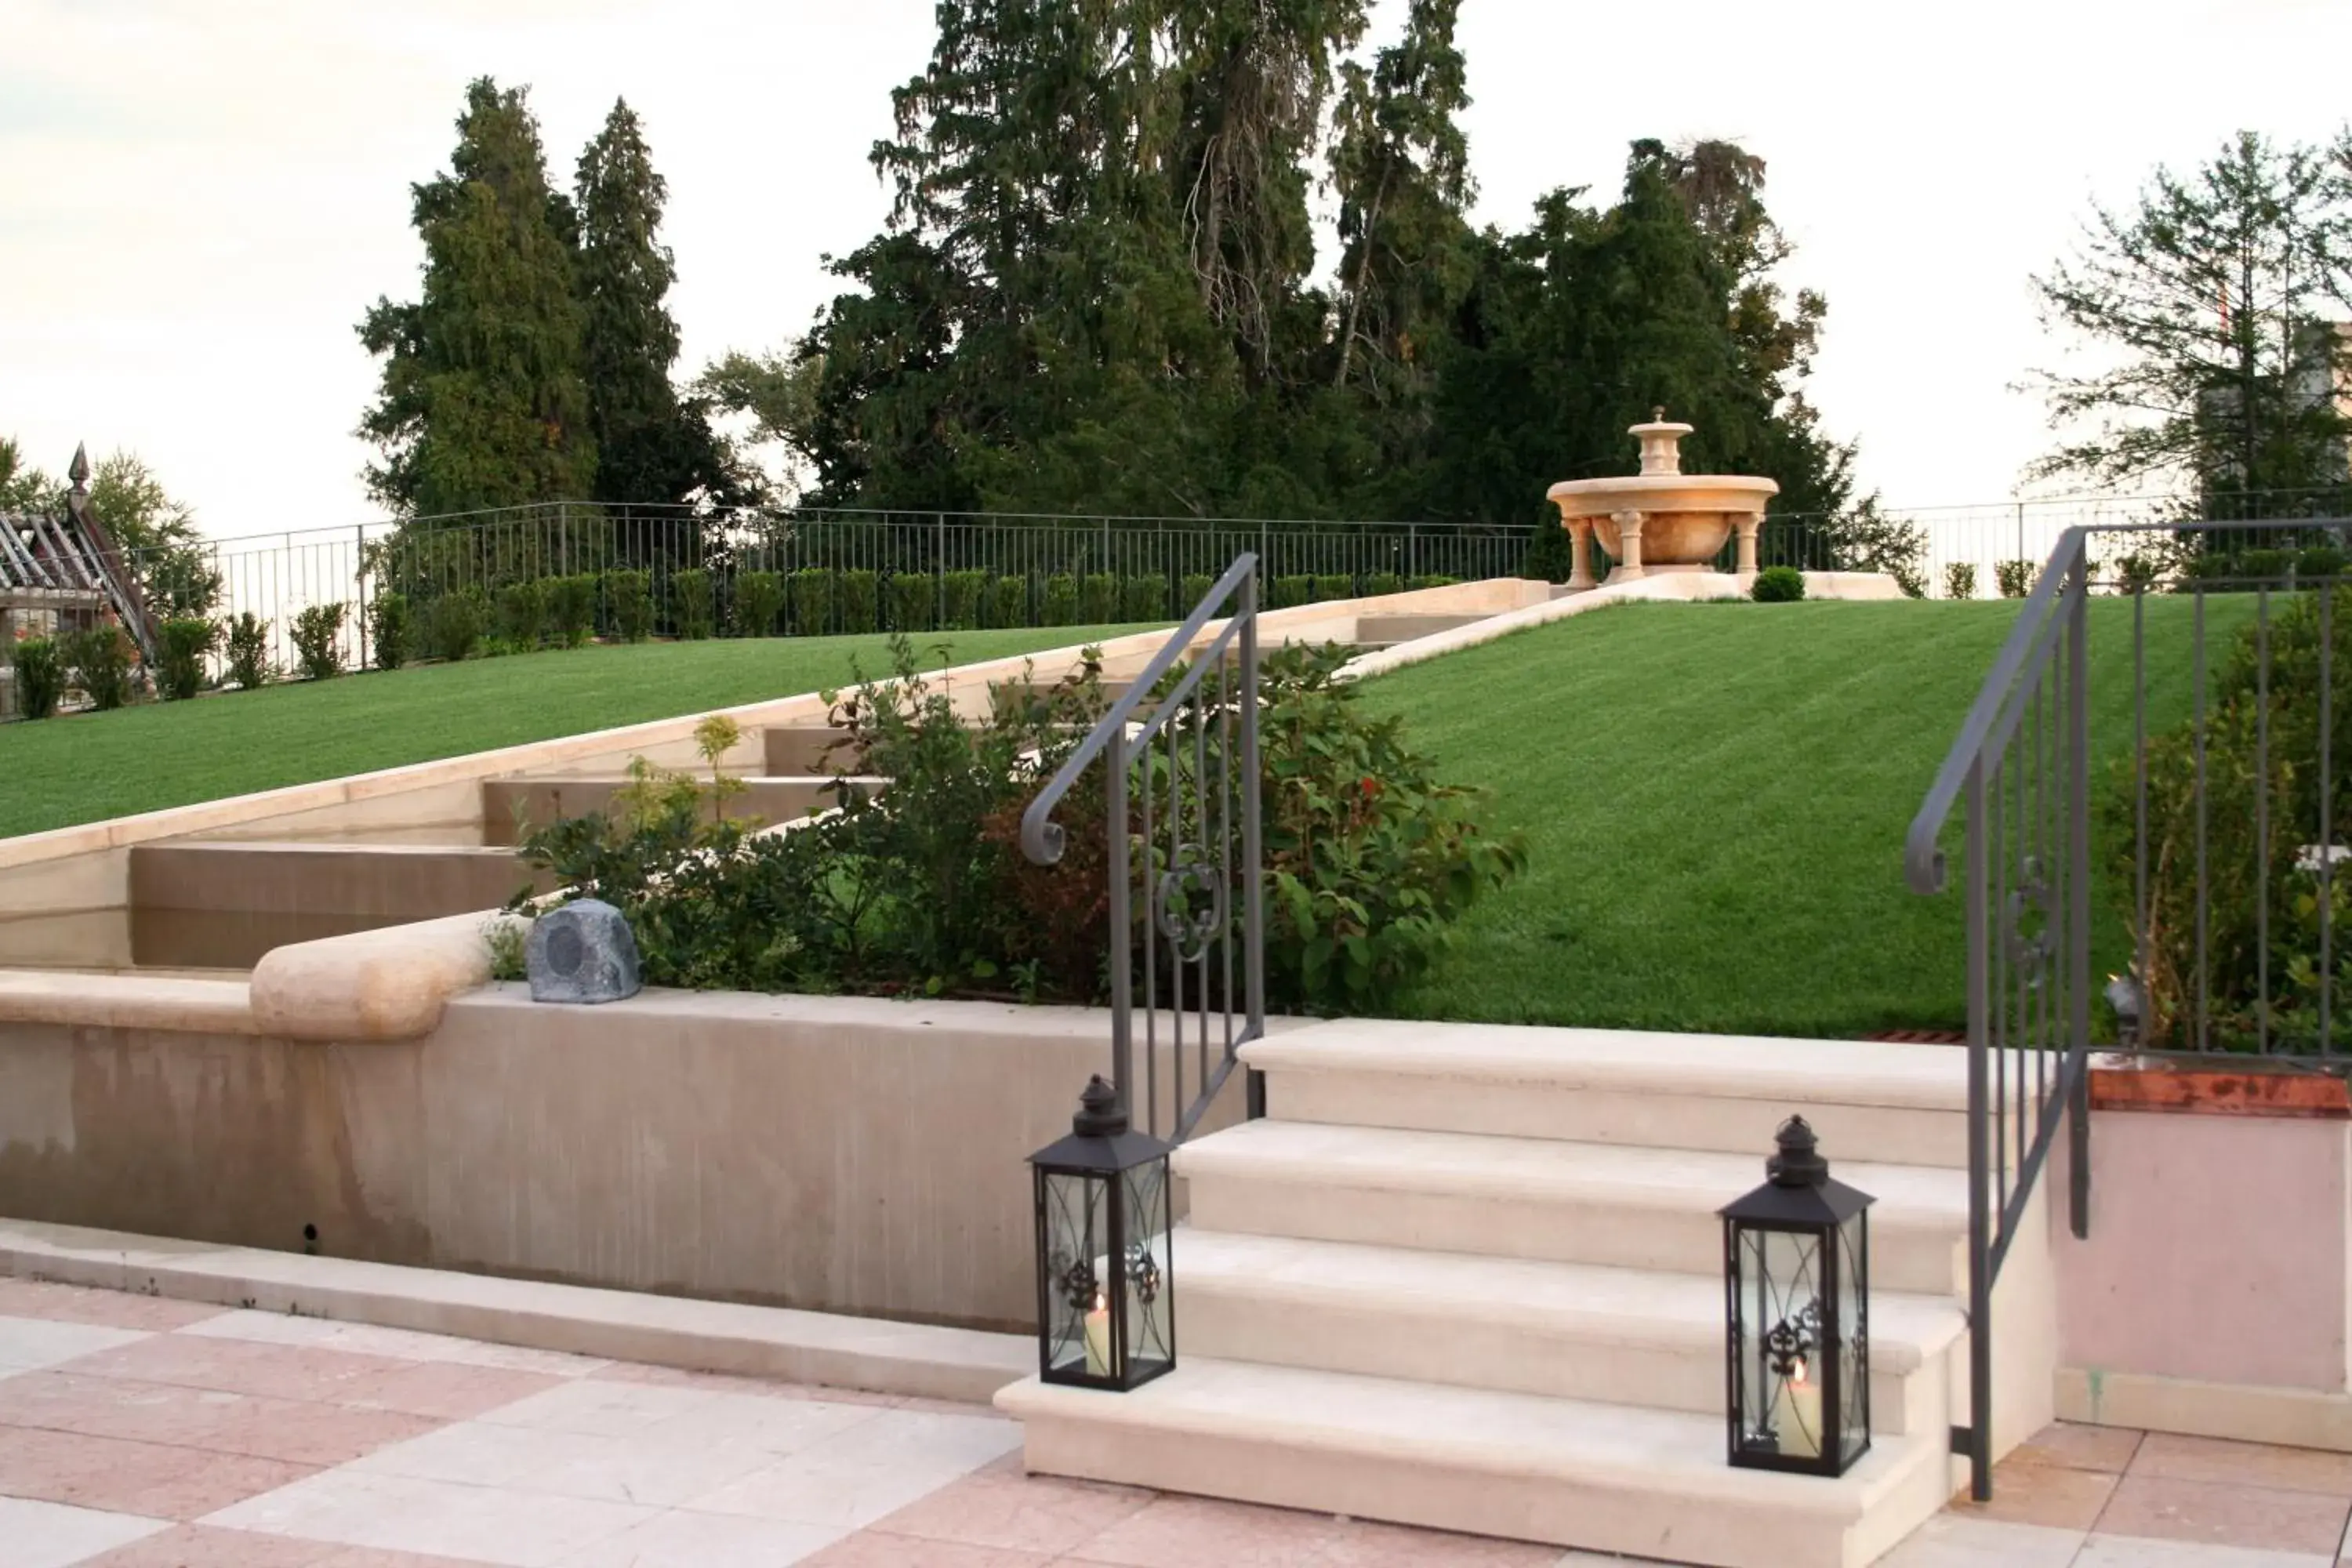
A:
(2134, 1551)
(655, 1472)
(873, 1549)
(375, 1557)
(2165, 1508)
(2079, 1447)
(236, 1366)
(736, 1383)
(1189, 1533)
(159, 1480)
(2245, 1464)
(28, 1344)
(448, 1390)
(104, 1309)
(867, 1473)
(1364, 1544)
(1959, 1540)
(396, 1513)
(205, 1546)
(2048, 1495)
(597, 1408)
(682, 1539)
(303, 1434)
(52, 1535)
(400, 1345)
(1028, 1514)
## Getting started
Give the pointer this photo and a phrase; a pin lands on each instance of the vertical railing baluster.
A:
(1980, 1045)
(2197, 658)
(2075, 1068)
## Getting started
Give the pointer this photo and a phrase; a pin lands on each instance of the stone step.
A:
(1569, 1330)
(512, 807)
(797, 750)
(1536, 1198)
(1606, 1477)
(1867, 1101)
(1388, 630)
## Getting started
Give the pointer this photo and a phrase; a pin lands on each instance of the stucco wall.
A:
(842, 1154)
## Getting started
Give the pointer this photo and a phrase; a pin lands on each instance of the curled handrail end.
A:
(1042, 839)
(1923, 867)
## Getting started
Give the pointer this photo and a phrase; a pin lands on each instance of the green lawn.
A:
(88, 767)
(1715, 799)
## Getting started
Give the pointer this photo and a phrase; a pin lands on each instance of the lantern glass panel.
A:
(1150, 1340)
(1781, 1381)
(1076, 1239)
(1853, 1337)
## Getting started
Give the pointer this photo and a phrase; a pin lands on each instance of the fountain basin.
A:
(1662, 520)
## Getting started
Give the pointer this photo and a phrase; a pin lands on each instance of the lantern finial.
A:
(1798, 1163)
(1101, 1113)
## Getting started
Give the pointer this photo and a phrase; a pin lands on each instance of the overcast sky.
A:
(198, 198)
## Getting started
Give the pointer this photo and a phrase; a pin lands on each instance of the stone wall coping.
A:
(126, 1002)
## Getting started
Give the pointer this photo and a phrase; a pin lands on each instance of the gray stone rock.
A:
(582, 952)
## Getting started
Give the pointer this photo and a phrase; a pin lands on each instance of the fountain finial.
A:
(1657, 414)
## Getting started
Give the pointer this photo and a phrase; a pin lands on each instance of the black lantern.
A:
(1105, 1297)
(1796, 1259)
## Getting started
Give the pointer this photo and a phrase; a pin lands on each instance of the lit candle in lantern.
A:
(1099, 1339)
(1798, 1417)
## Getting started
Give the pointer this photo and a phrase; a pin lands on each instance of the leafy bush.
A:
(629, 600)
(1008, 602)
(1778, 585)
(914, 596)
(317, 634)
(861, 593)
(521, 614)
(2244, 571)
(572, 609)
(1334, 586)
(1434, 580)
(1097, 599)
(1061, 600)
(2138, 573)
(923, 889)
(1290, 591)
(1145, 598)
(184, 642)
(964, 592)
(40, 676)
(691, 592)
(248, 652)
(102, 656)
(1378, 583)
(1959, 580)
(759, 601)
(1193, 590)
(2014, 578)
(813, 594)
(388, 629)
(451, 626)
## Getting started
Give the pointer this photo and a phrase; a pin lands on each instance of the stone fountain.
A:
(1660, 520)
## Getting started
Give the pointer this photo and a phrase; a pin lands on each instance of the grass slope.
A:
(1715, 799)
(89, 767)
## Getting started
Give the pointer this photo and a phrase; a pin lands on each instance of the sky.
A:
(199, 198)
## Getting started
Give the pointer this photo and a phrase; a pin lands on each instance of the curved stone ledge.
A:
(385, 984)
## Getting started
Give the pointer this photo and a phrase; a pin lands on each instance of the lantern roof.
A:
(1100, 1138)
(1798, 1189)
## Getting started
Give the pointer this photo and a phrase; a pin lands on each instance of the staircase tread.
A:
(1589, 1301)
(1630, 1448)
(1822, 1072)
(1409, 1160)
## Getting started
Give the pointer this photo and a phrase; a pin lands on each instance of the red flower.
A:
(1370, 785)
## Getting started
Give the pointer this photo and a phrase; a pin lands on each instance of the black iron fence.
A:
(2146, 787)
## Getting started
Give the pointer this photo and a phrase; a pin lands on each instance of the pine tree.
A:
(483, 401)
(651, 445)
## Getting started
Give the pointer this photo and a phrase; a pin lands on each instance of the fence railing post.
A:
(360, 584)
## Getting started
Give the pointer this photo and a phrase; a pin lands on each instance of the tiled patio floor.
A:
(138, 1432)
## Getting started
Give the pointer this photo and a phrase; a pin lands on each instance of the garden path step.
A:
(510, 807)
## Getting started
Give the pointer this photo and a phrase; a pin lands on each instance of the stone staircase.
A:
(1472, 1278)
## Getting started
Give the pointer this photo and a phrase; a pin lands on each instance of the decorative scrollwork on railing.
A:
(2029, 936)
(1190, 905)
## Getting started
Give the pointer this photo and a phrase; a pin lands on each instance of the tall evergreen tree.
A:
(484, 401)
(651, 444)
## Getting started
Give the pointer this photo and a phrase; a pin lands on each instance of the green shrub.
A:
(1193, 590)
(1097, 599)
(1334, 586)
(1378, 583)
(2013, 578)
(2320, 561)
(102, 656)
(1959, 580)
(1008, 602)
(861, 593)
(388, 629)
(914, 596)
(185, 643)
(1290, 591)
(759, 601)
(40, 676)
(522, 614)
(1145, 598)
(813, 596)
(451, 626)
(1434, 580)
(629, 601)
(317, 635)
(1061, 601)
(965, 590)
(572, 609)
(690, 591)
(1778, 585)
(248, 652)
